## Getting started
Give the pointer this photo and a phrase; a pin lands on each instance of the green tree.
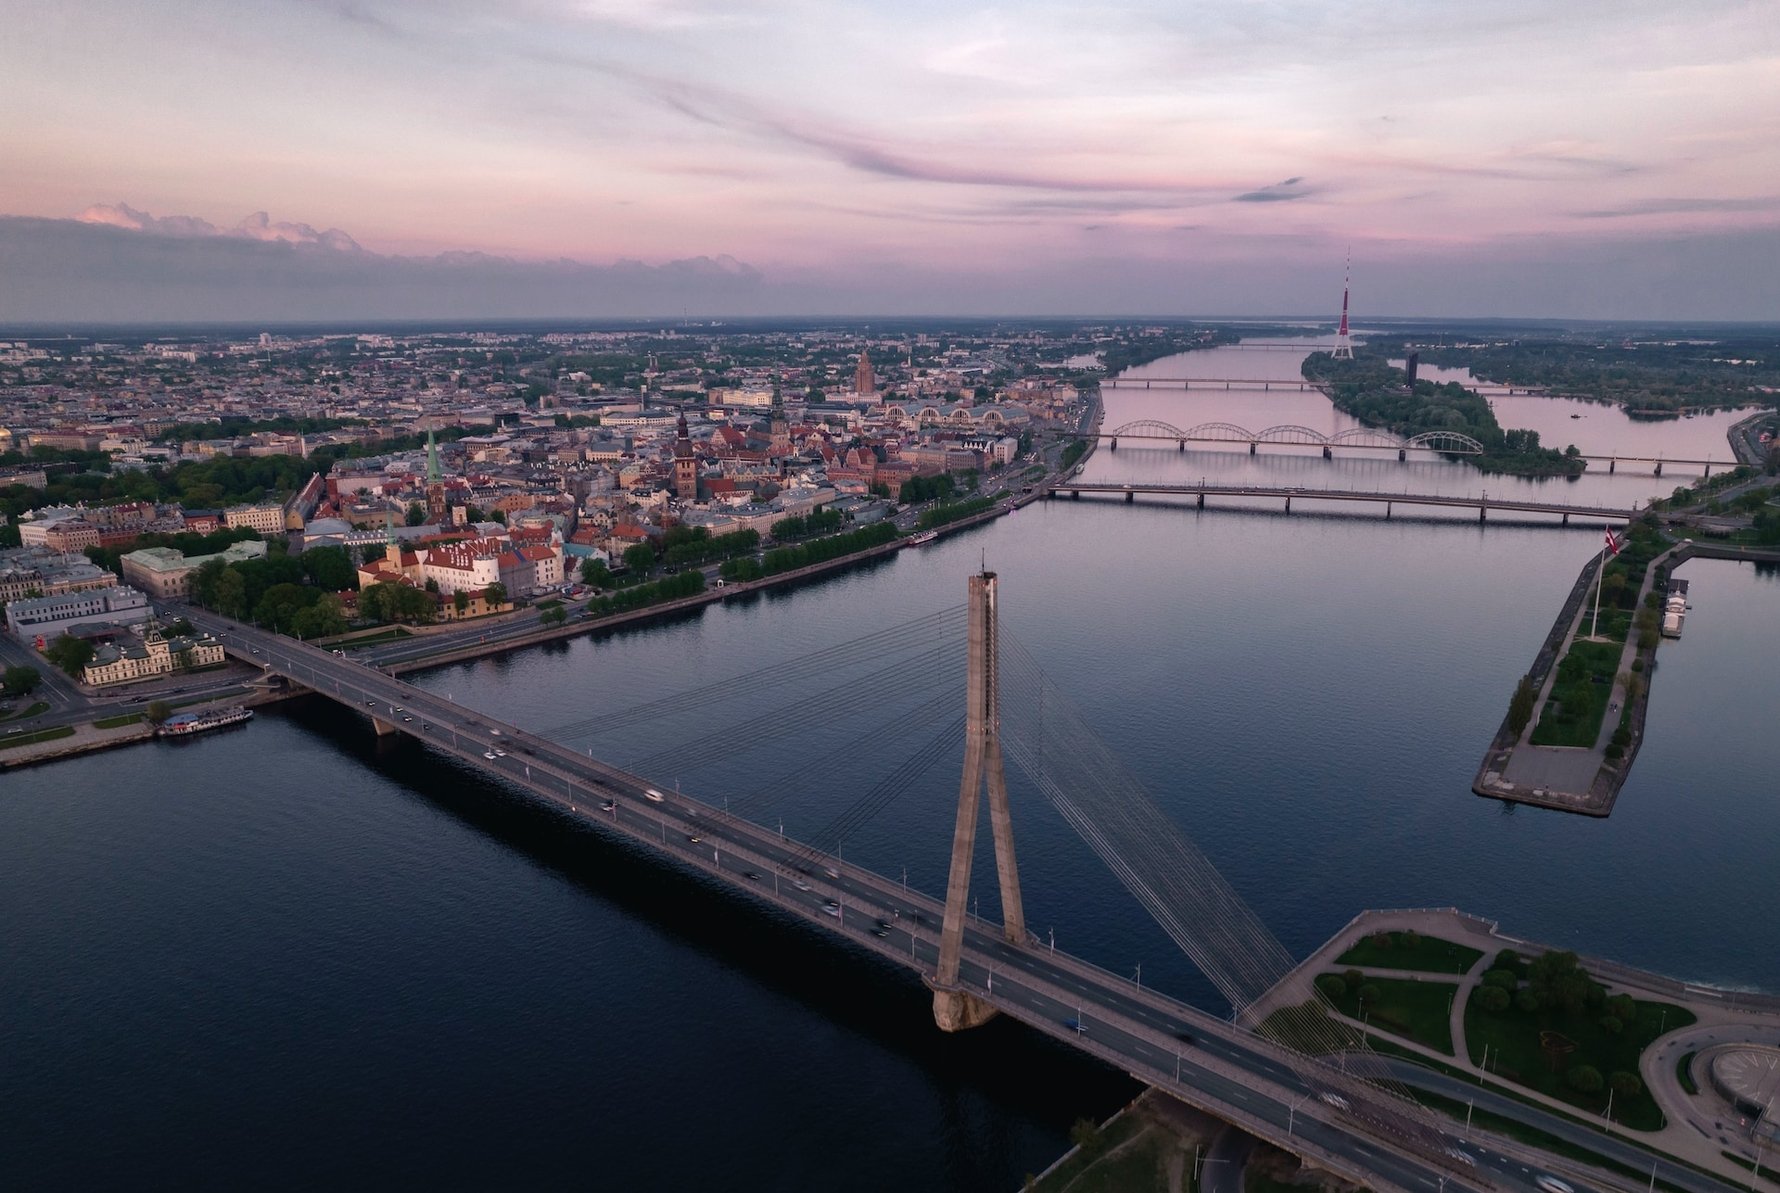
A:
(70, 653)
(325, 618)
(1087, 1135)
(640, 559)
(595, 573)
(1492, 998)
(231, 593)
(1520, 707)
(416, 514)
(1332, 986)
(157, 712)
(329, 568)
(22, 681)
(554, 616)
(1625, 1084)
(1585, 1079)
(495, 594)
(460, 601)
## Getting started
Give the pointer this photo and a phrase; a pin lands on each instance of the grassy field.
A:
(1517, 1053)
(129, 718)
(28, 739)
(1573, 711)
(1410, 950)
(1090, 1173)
(1419, 1011)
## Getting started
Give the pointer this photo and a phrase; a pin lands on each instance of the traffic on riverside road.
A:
(1200, 1058)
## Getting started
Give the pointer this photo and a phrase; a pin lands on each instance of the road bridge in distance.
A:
(1589, 514)
(1200, 1058)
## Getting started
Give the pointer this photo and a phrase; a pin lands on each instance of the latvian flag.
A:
(1612, 542)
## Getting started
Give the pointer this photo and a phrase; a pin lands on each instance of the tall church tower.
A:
(435, 482)
(685, 464)
(781, 427)
(864, 382)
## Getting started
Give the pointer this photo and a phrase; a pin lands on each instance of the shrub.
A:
(1505, 978)
(1529, 1001)
(1493, 998)
(1626, 1085)
(1585, 1079)
(1087, 1136)
(1331, 985)
(1611, 1024)
(1369, 993)
(1637, 664)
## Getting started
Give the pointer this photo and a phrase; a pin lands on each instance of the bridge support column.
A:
(955, 1009)
(1328, 452)
(1115, 442)
(1611, 466)
(1659, 467)
(1130, 496)
(1402, 454)
(1483, 512)
(383, 728)
(1288, 505)
(1387, 511)
(1075, 494)
(1180, 445)
(1252, 446)
(1202, 501)
(1708, 471)
(1566, 520)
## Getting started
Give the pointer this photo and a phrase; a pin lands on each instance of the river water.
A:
(290, 955)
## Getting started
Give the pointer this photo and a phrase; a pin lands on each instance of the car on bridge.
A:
(652, 795)
(1076, 1026)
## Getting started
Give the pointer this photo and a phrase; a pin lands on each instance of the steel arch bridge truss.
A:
(1449, 442)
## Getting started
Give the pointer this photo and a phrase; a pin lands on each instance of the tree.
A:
(640, 558)
(329, 568)
(416, 514)
(460, 600)
(1585, 1079)
(157, 712)
(1529, 1001)
(22, 681)
(1087, 1136)
(325, 618)
(231, 593)
(554, 616)
(495, 594)
(70, 653)
(595, 573)
(1625, 1084)
(1332, 986)
(1492, 998)
(1520, 707)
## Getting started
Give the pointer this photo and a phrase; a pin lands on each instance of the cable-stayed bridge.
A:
(1302, 1081)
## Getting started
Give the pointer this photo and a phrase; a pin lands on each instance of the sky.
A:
(267, 159)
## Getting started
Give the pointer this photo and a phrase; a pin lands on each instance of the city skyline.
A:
(643, 158)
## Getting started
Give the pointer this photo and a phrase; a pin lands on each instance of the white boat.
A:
(922, 539)
(186, 723)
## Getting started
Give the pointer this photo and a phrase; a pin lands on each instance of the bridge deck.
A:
(1292, 492)
(1202, 1059)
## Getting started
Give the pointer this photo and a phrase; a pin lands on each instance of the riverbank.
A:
(105, 734)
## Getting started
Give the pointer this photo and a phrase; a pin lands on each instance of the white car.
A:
(1335, 1100)
(490, 755)
(652, 795)
(1552, 1184)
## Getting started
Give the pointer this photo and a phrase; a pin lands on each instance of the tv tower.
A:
(1344, 343)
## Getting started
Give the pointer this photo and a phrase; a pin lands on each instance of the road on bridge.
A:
(1198, 1057)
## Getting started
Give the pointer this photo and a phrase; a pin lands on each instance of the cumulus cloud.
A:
(258, 226)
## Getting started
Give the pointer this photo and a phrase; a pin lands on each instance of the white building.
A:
(48, 618)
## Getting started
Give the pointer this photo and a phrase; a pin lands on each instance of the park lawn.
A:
(1419, 1011)
(1513, 1039)
(1309, 1028)
(1573, 711)
(394, 634)
(1429, 954)
(129, 718)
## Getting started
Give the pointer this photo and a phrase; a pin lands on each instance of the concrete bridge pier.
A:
(1288, 505)
(1612, 465)
(1402, 454)
(1130, 496)
(1708, 471)
(383, 728)
(1252, 445)
(1201, 500)
(953, 1008)
(1483, 512)
(1180, 445)
(1115, 441)
(1566, 521)
(1328, 452)
(1075, 494)
(1659, 467)
(1387, 511)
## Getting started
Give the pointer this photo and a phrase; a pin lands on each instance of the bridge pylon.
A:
(955, 1009)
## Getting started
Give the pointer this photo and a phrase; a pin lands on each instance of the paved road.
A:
(1200, 1058)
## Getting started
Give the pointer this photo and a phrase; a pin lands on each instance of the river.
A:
(290, 954)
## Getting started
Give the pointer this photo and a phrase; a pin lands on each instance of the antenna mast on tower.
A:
(1344, 343)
